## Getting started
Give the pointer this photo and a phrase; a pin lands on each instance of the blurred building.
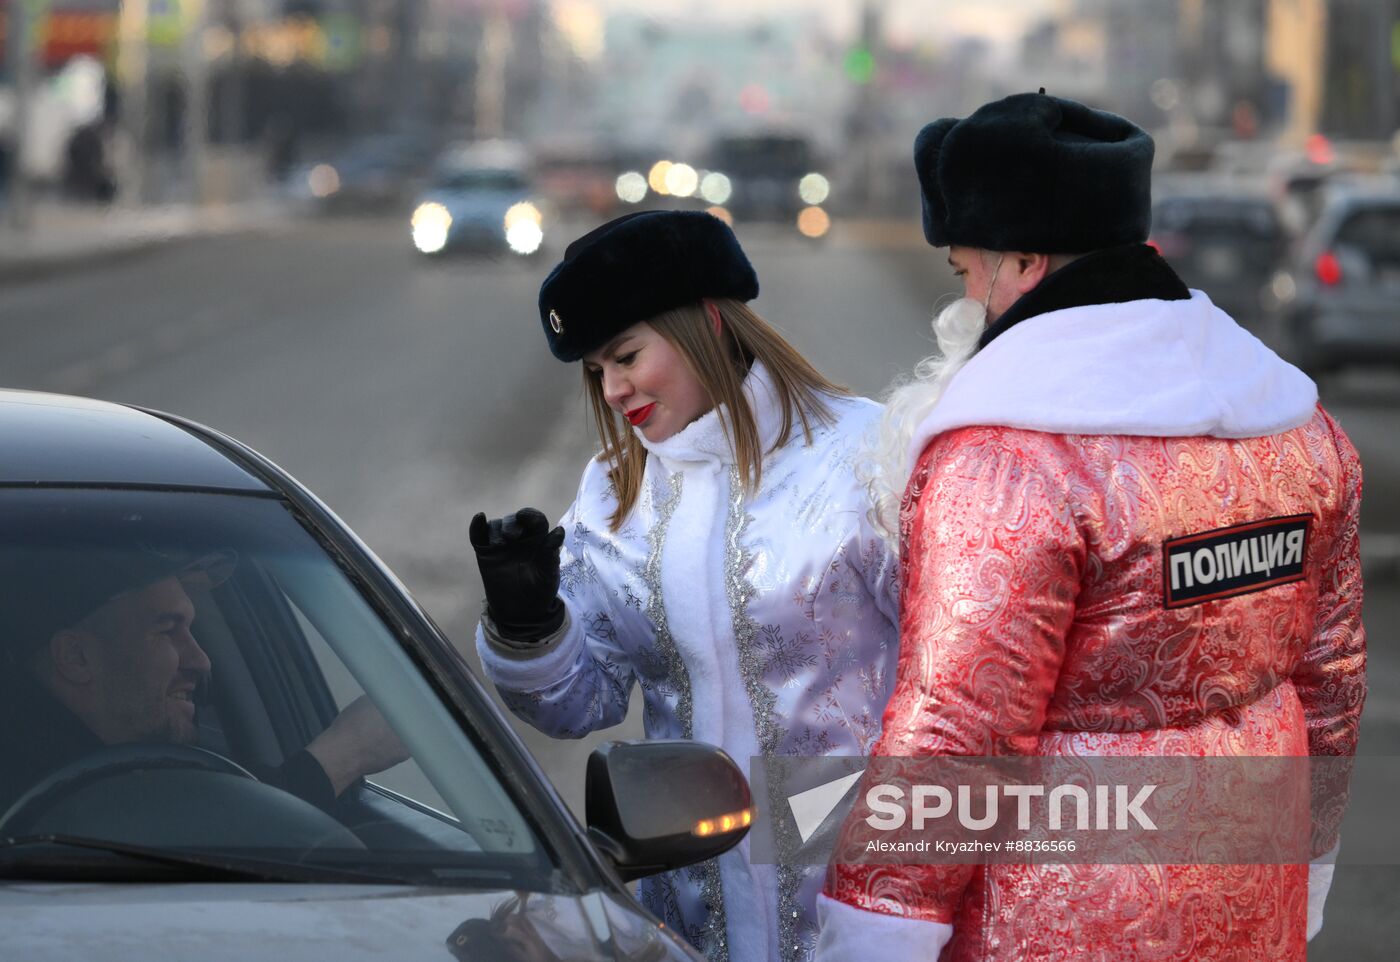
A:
(1212, 70)
(1297, 39)
(1109, 53)
(1361, 72)
(677, 82)
(1067, 53)
(1222, 63)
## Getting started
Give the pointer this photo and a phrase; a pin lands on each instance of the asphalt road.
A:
(410, 395)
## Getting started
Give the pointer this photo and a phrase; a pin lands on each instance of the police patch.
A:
(1233, 561)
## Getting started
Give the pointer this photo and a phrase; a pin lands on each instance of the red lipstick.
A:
(638, 416)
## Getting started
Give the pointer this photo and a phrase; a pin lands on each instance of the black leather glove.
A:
(519, 560)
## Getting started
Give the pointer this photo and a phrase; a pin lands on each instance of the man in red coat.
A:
(1077, 487)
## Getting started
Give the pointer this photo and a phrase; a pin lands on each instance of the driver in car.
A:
(98, 651)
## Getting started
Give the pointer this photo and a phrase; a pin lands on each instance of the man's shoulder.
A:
(1001, 440)
(37, 736)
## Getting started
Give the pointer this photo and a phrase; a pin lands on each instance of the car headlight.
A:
(681, 180)
(716, 188)
(1283, 288)
(323, 180)
(524, 228)
(813, 222)
(814, 189)
(631, 187)
(523, 211)
(431, 223)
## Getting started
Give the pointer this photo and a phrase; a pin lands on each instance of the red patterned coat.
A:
(1036, 620)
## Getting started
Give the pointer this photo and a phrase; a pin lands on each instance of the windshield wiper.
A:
(193, 866)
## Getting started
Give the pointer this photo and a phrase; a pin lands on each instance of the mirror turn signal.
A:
(724, 823)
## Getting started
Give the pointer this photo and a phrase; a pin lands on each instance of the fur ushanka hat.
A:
(635, 267)
(1035, 173)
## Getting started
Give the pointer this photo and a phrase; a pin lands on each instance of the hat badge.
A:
(556, 323)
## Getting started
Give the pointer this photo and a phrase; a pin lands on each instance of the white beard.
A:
(886, 469)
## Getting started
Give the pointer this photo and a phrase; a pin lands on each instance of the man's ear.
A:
(713, 312)
(70, 655)
(1030, 269)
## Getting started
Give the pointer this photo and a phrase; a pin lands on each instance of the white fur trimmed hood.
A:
(1158, 368)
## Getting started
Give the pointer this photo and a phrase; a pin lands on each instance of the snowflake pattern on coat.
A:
(818, 600)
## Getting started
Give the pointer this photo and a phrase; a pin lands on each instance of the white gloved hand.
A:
(850, 934)
(1319, 882)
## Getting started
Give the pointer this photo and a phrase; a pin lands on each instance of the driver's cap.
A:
(46, 589)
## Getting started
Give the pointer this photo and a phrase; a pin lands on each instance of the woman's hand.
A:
(519, 560)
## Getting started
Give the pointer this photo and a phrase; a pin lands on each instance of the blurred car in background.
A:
(578, 176)
(773, 176)
(1342, 294)
(172, 847)
(480, 199)
(372, 175)
(1223, 240)
(1298, 192)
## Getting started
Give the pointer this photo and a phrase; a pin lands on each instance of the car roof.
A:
(53, 439)
(1370, 191)
(1172, 187)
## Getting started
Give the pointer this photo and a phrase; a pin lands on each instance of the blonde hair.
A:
(720, 359)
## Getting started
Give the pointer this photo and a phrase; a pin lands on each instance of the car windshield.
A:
(502, 181)
(187, 676)
(757, 154)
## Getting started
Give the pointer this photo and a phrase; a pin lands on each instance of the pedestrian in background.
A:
(1091, 420)
(719, 553)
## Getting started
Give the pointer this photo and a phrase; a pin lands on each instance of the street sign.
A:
(165, 24)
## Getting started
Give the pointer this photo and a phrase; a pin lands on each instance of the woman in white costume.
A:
(718, 553)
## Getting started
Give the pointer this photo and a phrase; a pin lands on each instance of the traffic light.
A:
(860, 65)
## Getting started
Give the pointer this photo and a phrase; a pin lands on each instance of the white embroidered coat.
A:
(766, 624)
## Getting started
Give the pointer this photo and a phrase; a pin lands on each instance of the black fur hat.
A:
(635, 267)
(1035, 173)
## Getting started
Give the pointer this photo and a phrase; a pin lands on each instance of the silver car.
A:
(479, 199)
(181, 625)
(1342, 299)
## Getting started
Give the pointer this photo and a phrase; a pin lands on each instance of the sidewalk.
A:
(66, 236)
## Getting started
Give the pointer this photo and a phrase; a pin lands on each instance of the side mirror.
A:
(658, 805)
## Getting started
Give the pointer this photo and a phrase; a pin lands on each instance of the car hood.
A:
(476, 204)
(344, 923)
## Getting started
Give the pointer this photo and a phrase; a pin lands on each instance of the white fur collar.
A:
(1148, 367)
(698, 611)
(704, 440)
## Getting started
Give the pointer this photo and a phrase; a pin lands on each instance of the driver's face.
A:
(146, 666)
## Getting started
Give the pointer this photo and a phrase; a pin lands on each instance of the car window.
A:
(194, 723)
(748, 155)
(405, 777)
(1373, 232)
